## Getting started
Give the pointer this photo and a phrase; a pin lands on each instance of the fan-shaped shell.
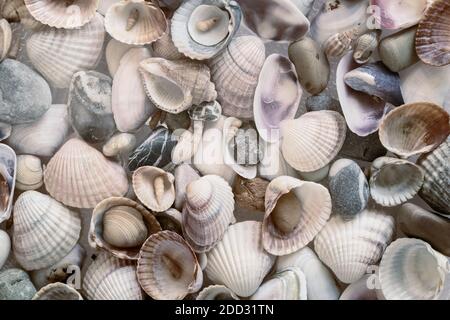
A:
(30, 175)
(80, 176)
(8, 172)
(396, 14)
(216, 292)
(5, 38)
(57, 291)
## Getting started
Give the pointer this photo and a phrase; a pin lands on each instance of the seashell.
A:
(110, 278)
(411, 270)
(348, 187)
(311, 64)
(89, 105)
(239, 261)
(104, 5)
(120, 226)
(272, 163)
(362, 148)
(414, 128)
(118, 144)
(240, 63)
(313, 140)
(136, 22)
(59, 53)
(68, 176)
(249, 193)
(8, 172)
(168, 268)
(57, 291)
(293, 218)
(377, 81)
(394, 181)
(304, 6)
(30, 175)
(365, 46)
(216, 292)
(436, 187)
(315, 176)
(202, 28)
(320, 283)
(130, 105)
(16, 11)
(43, 137)
(206, 111)
(349, 247)
(207, 212)
(5, 247)
(399, 14)
(340, 43)
(28, 97)
(154, 188)
(62, 14)
(277, 96)
(362, 112)
(114, 52)
(5, 38)
(165, 48)
(275, 20)
(359, 290)
(170, 220)
(289, 284)
(16, 285)
(36, 216)
(5, 131)
(184, 174)
(174, 86)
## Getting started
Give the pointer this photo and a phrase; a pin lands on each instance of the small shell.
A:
(399, 14)
(8, 172)
(5, 38)
(365, 46)
(249, 193)
(118, 144)
(184, 174)
(165, 48)
(57, 291)
(5, 248)
(340, 43)
(30, 175)
(114, 52)
(216, 292)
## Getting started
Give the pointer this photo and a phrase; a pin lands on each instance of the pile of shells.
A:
(224, 149)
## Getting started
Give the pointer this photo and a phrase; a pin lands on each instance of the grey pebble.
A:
(15, 284)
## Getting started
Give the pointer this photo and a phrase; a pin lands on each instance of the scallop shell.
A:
(80, 176)
(135, 22)
(207, 212)
(365, 46)
(240, 63)
(62, 14)
(313, 140)
(37, 217)
(216, 292)
(165, 48)
(184, 174)
(57, 291)
(5, 38)
(168, 268)
(110, 278)
(411, 270)
(239, 261)
(8, 172)
(293, 218)
(59, 53)
(114, 52)
(414, 128)
(30, 175)
(398, 14)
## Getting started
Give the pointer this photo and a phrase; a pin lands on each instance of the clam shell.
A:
(114, 52)
(59, 53)
(30, 175)
(207, 212)
(349, 247)
(239, 261)
(57, 291)
(118, 144)
(359, 290)
(397, 14)
(293, 218)
(168, 268)
(365, 46)
(5, 38)
(240, 63)
(414, 128)
(5, 247)
(165, 48)
(110, 278)
(411, 270)
(8, 172)
(313, 140)
(184, 174)
(36, 217)
(80, 176)
(216, 292)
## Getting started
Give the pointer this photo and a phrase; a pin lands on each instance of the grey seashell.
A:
(366, 45)
(376, 80)
(5, 131)
(366, 148)
(16, 285)
(322, 102)
(348, 187)
(24, 95)
(90, 106)
(207, 111)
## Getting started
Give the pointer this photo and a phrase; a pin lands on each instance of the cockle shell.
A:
(154, 187)
(277, 96)
(399, 14)
(216, 292)
(80, 176)
(110, 278)
(114, 52)
(239, 261)
(62, 14)
(59, 53)
(8, 172)
(118, 144)
(414, 128)
(293, 218)
(240, 63)
(349, 247)
(5, 38)
(411, 270)
(57, 291)
(359, 290)
(165, 48)
(313, 140)
(184, 174)
(207, 212)
(365, 46)
(36, 217)
(168, 268)
(5, 247)
(30, 175)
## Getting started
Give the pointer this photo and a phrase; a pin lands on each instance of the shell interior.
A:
(208, 25)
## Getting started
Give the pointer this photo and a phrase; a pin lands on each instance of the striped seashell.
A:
(5, 38)
(57, 291)
(338, 44)
(30, 175)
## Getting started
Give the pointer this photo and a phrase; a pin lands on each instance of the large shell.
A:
(240, 63)
(313, 140)
(411, 270)
(57, 291)
(135, 22)
(59, 53)
(8, 172)
(238, 260)
(80, 176)
(277, 96)
(349, 247)
(37, 218)
(397, 14)
(216, 292)
(207, 212)
(5, 38)
(414, 128)
(30, 175)
(168, 268)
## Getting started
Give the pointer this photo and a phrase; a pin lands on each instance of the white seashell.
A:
(365, 46)
(184, 174)
(37, 217)
(104, 5)
(5, 247)
(114, 52)
(5, 38)
(8, 172)
(188, 143)
(399, 14)
(80, 176)
(238, 260)
(272, 163)
(30, 175)
(120, 143)
(57, 291)
(216, 292)
(359, 290)
(165, 48)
